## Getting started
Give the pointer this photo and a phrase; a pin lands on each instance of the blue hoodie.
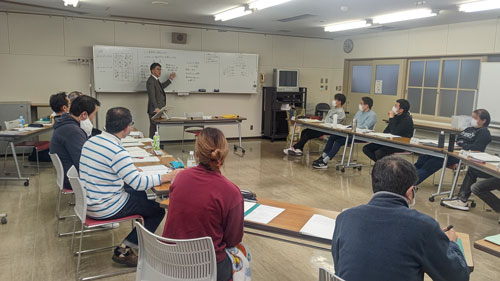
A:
(385, 240)
(67, 142)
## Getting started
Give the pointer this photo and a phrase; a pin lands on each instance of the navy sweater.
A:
(400, 125)
(387, 241)
(67, 142)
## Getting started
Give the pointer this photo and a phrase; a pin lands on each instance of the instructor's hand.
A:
(156, 110)
(172, 76)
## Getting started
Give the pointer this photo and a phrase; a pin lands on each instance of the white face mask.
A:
(87, 126)
(474, 123)
(395, 110)
(360, 107)
(334, 103)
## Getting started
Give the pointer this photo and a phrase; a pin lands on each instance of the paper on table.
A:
(28, 129)
(247, 205)
(383, 135)
(129, 144)
(311, 120)
(138, 153)
(482, 156)
(264, 214)
(134, 148)
(319, 226)
(11, 133)
(155, 170)
(145, 159)
(495, 239)
(144, 140)
(136, 134)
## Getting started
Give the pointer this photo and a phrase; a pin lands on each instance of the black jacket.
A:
(156, 94)
(475, 139)
(67, 142)
(385, 240)
(400, 125)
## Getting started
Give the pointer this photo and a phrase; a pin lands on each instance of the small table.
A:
(12, 137)
(200, 122)
(488, 247)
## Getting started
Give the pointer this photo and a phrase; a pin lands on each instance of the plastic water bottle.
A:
(191, 161)
(21, 121)
(354, 125)
(156, 141)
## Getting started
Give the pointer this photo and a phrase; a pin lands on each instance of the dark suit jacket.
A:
(156, 94)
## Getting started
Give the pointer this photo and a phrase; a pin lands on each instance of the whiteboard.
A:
(126, 69)
(489, 89)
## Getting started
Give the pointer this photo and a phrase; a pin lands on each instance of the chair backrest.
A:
(175, 260)
(325, 275)
(193, 114)
(9, 125)
(321, 106)
(59, 170)
(80, 194)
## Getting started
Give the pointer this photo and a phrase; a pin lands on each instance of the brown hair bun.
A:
(211, 148)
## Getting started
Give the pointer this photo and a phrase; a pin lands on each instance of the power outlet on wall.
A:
(338, 88)
(251, 127)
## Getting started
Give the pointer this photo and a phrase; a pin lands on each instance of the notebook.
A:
(495, 239)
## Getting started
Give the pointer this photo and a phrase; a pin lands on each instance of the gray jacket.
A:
(156, 94)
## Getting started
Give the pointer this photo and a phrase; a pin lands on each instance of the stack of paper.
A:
(311, 120)
(263, 214)
(383, 135)
(485, 157)
(145, 159)
(11, 133)
(129, 144)
(495, 239)
(319, 226)
(136, 134)
(138, 153)
(155, 170)
(134, 148)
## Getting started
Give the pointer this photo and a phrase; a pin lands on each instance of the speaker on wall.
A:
(179, 38)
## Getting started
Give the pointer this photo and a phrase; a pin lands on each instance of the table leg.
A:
(345, 150)
(239, 138)
(293, 134)
(350, 151)
(441, 179)
(455, 179)
(18, 170)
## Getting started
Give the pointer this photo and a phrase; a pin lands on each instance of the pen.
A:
(448, 227)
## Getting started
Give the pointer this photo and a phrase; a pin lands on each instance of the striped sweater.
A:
(105, 166)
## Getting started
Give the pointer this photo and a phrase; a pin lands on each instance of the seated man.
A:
(366, 119)
(386, 240)
(73, 95)
(400, 124)
(59, 103)
(474, 138)
(71, 131)
(308, 134)
(115, 187)
(483, 190)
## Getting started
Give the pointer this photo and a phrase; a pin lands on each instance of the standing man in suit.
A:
(156, 95)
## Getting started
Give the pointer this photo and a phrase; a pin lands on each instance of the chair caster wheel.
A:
(26, 183)
(473, 204)
(343, 170)
(441, 203)
(4, 220)
(359, 168)
(337, 168)
(243, 150)
(431, 199)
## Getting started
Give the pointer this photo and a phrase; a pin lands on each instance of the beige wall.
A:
(35, 49)
(462, 39)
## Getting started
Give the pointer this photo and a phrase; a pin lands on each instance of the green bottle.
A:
(156, 141)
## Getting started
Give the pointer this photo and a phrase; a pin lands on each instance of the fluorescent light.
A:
(262, 4)
(479, 6)
(232, 13)
(73, 3)
(404, 15)
(347, 25)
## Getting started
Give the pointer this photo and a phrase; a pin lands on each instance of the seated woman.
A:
(474, 138)
(204, 203)
(366, 118)
(308, 134)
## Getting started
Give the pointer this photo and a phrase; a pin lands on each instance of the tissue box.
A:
(460, 122)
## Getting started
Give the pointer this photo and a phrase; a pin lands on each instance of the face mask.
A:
(360, 107)
(87, 126)
(334, 103)
(395, 110)
(474, 123)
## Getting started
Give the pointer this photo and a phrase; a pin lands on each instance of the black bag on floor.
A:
(43, 156)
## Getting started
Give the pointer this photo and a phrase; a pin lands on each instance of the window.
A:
(379, 77)
(443, 87)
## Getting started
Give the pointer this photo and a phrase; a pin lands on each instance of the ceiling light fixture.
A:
(73, 3)
(404, 15)
(262, 4)
(232, 13)
(479, 6)
(347, 25)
